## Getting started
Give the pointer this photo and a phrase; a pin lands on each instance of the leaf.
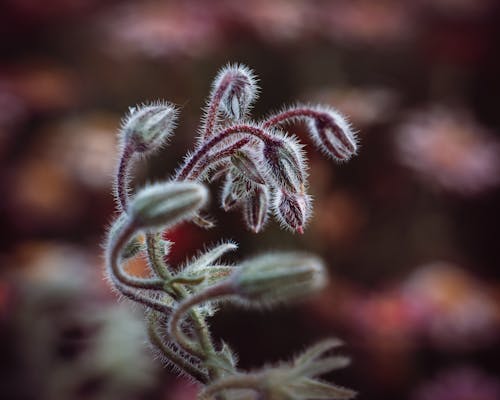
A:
(318, 349)
(306, 388)
(209, 257)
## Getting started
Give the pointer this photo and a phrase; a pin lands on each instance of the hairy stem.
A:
(177, 359)
(285, 116)
(204, 347)
(213, 109)
(122, 177)
(120, 238)
(156, 255)
(130, 286)
(193, 162)
(222, 289)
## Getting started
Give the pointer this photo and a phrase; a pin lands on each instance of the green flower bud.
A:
(278, 277)
(148, 127)
(165, 204)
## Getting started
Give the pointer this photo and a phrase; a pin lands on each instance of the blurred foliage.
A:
(409, 227)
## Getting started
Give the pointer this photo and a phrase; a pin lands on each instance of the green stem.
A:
(222, 289)
(174, 357)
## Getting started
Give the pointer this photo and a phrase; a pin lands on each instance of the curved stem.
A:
(122, 177)
(120, 238)
(222, 289)
(205, 347)
(302, 112)
(192, 163)
(177, 359)
(214, 106)
(247, 381)
(227, 152)
(156, 254)
(127, 285)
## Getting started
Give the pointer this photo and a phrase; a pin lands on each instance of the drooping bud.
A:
(235, 188)
(256, 209)
(165, 204)
(278, 277)
(247, 165)
(332, 134)
(292, 210)
(286, 164)
(239, 90)
(148, 127)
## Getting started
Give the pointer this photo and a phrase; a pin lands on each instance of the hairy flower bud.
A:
(148, 127)
(165, 204)
(278, 277)
(239, 87)
(332, 134)
(292, 210)
(286, 165)
(256, 209)
(236, 187)
(247, 165)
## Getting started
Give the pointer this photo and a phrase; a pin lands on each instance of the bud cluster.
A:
(263, 172)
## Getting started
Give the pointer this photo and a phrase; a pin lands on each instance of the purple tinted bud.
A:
(247, 164)
(239, 90)
(331, 133)
(235, 188)
(286, 164)
(292, 210)
(256, 209)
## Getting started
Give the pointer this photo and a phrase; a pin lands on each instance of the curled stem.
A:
(122, 177)
(129, 286)
(117, 241)
(193, 162)
(215, 101)
(285, 116)
(176, 358)
(222, 289)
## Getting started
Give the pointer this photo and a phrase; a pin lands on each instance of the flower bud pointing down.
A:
(165, 204)
(292, 210)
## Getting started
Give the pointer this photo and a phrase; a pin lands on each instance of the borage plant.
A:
(264, 172)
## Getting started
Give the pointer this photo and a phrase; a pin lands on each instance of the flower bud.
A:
(256, 209)
(148, 127)
(247, 165)
(239, 90)
(165, 204)
(286, 165)
(278, 277)
(332, 134)
(235, 188)
(292, 210)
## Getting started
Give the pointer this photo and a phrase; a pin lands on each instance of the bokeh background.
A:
(408, 228)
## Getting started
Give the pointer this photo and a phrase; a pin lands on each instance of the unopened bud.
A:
(278, 277)
(235, 188)
(247, 165)
(148, 127)
(256, 209)
(292, 210)
(286, 164)
(331, 133)
(240, 90)
(165, 204)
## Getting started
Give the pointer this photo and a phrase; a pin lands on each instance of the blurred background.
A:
(408, 228)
